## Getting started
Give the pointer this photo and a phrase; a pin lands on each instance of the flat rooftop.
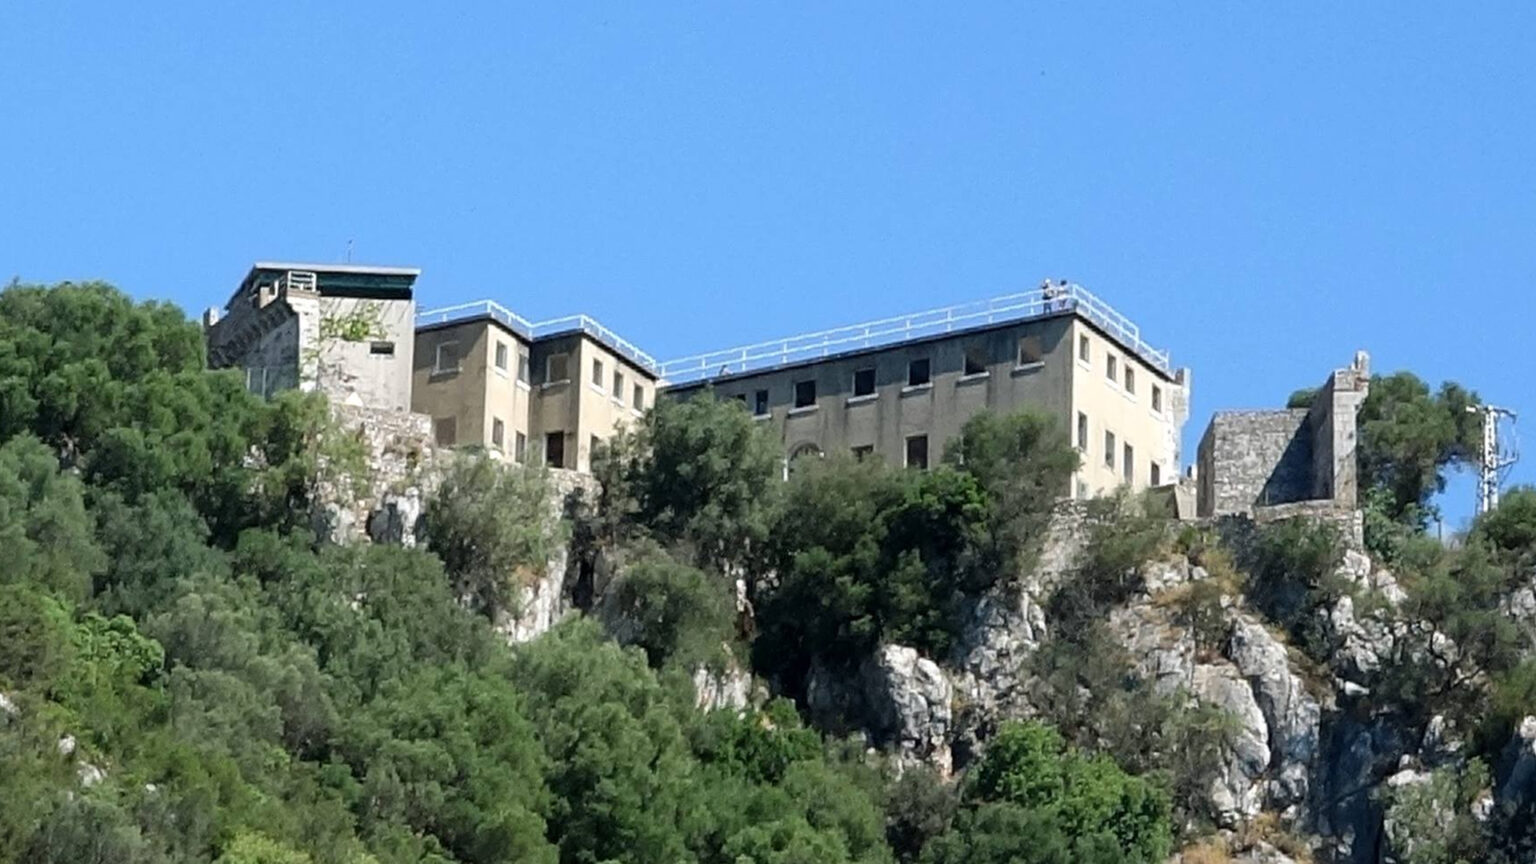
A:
(341, 280)
(1070, 298)
(532, 331)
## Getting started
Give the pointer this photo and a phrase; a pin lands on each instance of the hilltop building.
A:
(901, 388)
(343, 329)
(550, 390)
(898, 389)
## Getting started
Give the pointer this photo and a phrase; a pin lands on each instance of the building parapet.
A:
(534, 330)
(1048, 300)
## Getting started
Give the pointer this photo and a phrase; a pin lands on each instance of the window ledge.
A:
(916, 388)
(862, 399)
(523, 385)
(803, 409)
(499, 371)
(974, 377)
(1026, 368)
(550, 385)
(762, 416)
(443, 373)
(598, 389)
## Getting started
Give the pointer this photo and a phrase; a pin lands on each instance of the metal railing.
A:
(266, 381)
(537, 329)
(890, 331)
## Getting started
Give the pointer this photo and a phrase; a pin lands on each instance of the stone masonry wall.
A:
(1254, 458)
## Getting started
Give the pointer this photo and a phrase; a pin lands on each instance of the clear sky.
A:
(1264, 188)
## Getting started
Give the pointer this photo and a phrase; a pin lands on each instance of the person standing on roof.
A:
(1048, 294)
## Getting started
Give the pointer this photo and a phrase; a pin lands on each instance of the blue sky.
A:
(1263, 187)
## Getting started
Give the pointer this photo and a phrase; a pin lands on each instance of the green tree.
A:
(494, 526)
(1022, 463)
(699, 473)
(671, 611)
(44, 527)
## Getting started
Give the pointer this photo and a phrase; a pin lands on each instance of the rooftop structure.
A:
(344, 329)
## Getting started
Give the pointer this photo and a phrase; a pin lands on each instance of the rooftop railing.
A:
(538, 329)
(891, 331)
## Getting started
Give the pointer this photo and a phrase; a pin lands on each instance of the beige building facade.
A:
(546, 392)
(875, 390)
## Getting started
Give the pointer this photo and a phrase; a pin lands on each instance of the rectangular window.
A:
(592, 447)
(919, 373)
(1082, 491)
(522, 366)
(557, 368)
(447, 358)
(1030, 351)
(760, 403)
(863, 451)
(639, 398)
(554, 449)
(1157, 399)
(1130, 379)
(597, 372)
(1129, 466)
(501, 356)
(1111, 367)
(805, 394)
(917, 451)
(1157, 474)
(381, 349)
(1109, 449)
(498, 433)
(1083, 353)
(618, 385)
(446, 431)
(519, 447)
(975, 361)
(863, 382)
(1082, 431)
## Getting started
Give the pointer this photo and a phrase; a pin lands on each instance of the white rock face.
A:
(728, 689)
(7, 707)
(1294, 717)
(1238, 793)
(67, 745)
(541, 604)
(910, 698)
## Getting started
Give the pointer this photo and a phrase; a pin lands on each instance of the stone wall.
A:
(1251, 459)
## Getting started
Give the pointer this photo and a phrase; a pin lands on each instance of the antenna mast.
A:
(1497, 457)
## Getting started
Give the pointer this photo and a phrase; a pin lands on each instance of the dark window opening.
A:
(1030, 351)
(975, 361)
(805, 394)
(919, 373)
(917, 451)
(863, 382)
(863, 451)
(446, 431)
(554, 449)
(386, 349)
(760, 403)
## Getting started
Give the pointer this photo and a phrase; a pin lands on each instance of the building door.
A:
(554, 449)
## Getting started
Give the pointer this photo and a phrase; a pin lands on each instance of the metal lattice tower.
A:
(1498, 455)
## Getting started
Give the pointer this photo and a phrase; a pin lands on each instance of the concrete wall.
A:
(1111, 405)
(277, 336)
(478, 393)
(1057, 384)
(360, 373)
(456, 394)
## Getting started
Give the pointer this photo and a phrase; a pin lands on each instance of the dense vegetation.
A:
(188, 675)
